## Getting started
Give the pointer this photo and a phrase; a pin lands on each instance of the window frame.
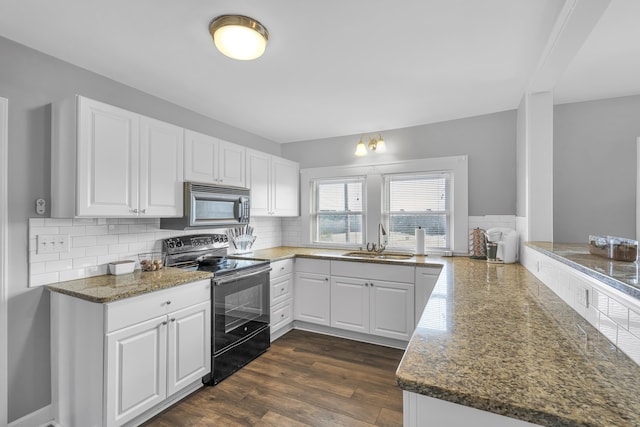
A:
(458, 165)
(448, 212)
(315, 214)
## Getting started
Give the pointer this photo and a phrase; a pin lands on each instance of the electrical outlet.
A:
(52, 243)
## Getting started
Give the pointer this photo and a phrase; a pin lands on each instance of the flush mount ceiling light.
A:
(375, 144)
(239, 37)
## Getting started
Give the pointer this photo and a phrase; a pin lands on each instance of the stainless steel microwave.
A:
(211, 206)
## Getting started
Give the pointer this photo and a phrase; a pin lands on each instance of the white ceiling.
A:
(332, 67)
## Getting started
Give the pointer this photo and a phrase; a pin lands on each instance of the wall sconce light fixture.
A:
(239, 37)
(376, 144)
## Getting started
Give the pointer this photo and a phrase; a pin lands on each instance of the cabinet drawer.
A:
(394, 273)
(317, 266)
(129, 311)
(281, 268)
(281, 315)
(281, 288)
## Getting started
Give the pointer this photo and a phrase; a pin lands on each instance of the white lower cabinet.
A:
(312, 291)
(364, 303)
(114, 362)
(281, 294)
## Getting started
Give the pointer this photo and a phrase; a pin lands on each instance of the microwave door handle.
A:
(237, 210)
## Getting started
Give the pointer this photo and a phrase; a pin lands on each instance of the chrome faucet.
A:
(382, 241)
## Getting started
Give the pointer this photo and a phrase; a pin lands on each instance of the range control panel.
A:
(193, 242)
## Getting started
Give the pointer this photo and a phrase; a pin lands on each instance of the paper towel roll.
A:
(419, 241)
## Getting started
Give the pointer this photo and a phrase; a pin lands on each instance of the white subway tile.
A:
(111, 221)
(53, 266)
(109, 239)
(44, 279)
(140, 247)
(97, 270)
(106, 259)
(127, 221)
(600, 301)
(629, 344)
(119, 248)
(608, 328)
(84, 221)
(138, 228)
(83, 241)
(161, 235)
(97, 250)
(35, 231)
(73, 253)
(34, 257)
(118, 229)
(36, 222)
(78, 273)
(37, 268)
(78, 230)
(97, 230)
(85, 262)
(127, 238)
(634, 323)
(619, 313)
(58, 222)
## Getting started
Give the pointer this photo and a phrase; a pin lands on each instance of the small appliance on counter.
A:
(502, 245)
(615, 248)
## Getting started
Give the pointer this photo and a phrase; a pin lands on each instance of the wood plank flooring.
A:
(305, 379)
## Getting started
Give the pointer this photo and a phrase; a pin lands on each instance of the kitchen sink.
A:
(375, 255)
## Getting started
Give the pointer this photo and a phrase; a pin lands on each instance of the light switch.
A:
(52, 243)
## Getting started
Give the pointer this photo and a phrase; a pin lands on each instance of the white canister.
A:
(419, 241)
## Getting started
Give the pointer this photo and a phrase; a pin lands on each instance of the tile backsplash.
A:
(95, 242)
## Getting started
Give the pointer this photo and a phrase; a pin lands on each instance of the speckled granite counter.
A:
(108, 288)
(494, 338)
(620, 275)
(286, 252)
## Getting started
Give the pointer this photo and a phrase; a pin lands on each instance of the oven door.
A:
(240, 306)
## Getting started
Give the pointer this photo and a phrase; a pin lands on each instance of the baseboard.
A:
(356, 336)
(43, 417)
(280, 332)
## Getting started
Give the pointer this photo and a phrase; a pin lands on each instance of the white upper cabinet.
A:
(161, 148)
(110, 162)
(274, 183)
(212, 160)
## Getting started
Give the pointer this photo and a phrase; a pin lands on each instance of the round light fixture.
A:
(239, 37)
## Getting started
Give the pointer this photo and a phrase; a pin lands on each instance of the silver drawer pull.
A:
(168, 302)
(173, 320)
(164, 323)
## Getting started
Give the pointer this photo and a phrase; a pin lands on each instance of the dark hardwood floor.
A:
(305, 379)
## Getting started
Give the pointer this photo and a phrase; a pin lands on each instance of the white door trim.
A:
(4, 176)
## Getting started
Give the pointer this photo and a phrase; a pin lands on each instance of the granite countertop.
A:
(620, 275)
(108, 288)
(287, 252)
(494, 338)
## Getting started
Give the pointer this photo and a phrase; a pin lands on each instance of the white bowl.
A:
(121, 267)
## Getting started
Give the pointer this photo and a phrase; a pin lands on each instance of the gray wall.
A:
(594, 168)
(31, 81)
(489, 141)
(521, 203)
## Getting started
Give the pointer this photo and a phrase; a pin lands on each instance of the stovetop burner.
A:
(205, 252)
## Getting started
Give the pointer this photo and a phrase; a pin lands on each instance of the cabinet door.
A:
(200, 157)
(136, 370)
(231, 165)
(281, 288)
(258, 180)
(312, 298)
(189, 346)
(107, 160)
(161, 168)
(350, 304)
(392, 309)
(285, 182)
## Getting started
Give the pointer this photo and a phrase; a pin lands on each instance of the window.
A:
(337, 211)
(417, 200)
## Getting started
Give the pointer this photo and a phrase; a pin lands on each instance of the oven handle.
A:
(239, 275)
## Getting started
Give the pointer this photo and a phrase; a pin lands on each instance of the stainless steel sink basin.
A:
(375, 255)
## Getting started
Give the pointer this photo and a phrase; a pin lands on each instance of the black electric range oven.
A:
(239, 300)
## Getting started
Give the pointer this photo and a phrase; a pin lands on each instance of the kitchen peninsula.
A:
(495, 338)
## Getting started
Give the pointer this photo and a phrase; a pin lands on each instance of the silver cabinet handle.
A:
(371, 284)
(143, 211)
(134, 211)
(326, 279)
(173, 319)
(168, 302)
(164, 323)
